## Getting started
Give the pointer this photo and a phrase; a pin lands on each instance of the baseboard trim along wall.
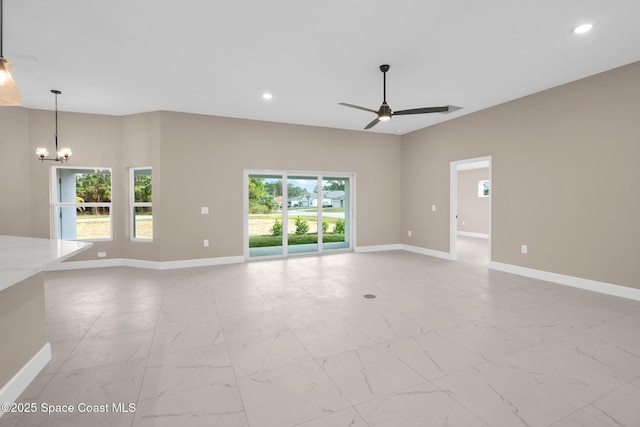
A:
(21, 380)
(152, 265)
(428, 252)
(472, 234)
(378, 248)
(576, 282)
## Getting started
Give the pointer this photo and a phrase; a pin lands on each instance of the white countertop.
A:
(22, 257)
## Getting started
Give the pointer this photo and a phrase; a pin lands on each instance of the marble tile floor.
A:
(293, 343)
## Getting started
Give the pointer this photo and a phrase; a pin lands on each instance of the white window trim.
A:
(54, 204)
(133, 204)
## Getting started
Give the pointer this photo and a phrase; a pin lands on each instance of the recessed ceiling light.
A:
(267, 95)
(581, 29)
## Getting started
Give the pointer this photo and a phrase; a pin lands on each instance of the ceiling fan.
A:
(385, 112)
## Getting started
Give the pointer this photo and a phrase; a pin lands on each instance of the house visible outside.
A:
(330, 199)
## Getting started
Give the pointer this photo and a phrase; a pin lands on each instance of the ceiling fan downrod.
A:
(384, 113)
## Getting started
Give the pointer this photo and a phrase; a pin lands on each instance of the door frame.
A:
(351, 224)
(453, 203)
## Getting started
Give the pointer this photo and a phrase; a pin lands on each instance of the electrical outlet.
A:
(205, 242)
(463, 223)
(409, 233)
(102, 254)
(433, 208)
(523, 249)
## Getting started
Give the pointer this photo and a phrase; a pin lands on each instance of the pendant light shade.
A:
(9, 93)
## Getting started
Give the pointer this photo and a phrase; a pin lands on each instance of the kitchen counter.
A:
(24, 347)
(23, 257)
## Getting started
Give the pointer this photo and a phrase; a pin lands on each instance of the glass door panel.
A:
(302, 212)
(335, 213)
(265, 215)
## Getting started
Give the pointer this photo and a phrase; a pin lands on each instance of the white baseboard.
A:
(187, 263)
(576, 282)
(153, 265)
(472, 234)
(21, 380)
(408, 248)
(428, 252)
(378, 248)
(79, 265)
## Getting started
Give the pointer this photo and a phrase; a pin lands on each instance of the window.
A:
(141, 207)
(483, 188)
(81, 207)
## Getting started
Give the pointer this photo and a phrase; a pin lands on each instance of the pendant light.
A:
(9, 93)
(62, 154)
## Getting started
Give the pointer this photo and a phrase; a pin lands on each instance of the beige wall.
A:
(95, 141)
(197, 161)
(22, 325)
(15, 194)
(140, 147)
(473, 211)
(203, 159)
(564, 165)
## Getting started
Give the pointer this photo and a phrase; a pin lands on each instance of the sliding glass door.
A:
(336, 205)
(264, 215)
(302, 210)
(297, 213)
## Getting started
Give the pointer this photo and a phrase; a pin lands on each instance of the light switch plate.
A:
(204, 210)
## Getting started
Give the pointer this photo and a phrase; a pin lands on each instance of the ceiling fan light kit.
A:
(385, 112)
(9, 93)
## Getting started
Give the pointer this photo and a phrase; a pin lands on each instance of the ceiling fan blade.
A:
(358, 107)
(453, 108)
(372, 124)
(422, 111)
(446, 109)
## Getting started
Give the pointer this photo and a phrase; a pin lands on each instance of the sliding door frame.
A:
(351, 176)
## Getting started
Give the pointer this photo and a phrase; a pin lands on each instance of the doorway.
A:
(291, 213)
(471, 194)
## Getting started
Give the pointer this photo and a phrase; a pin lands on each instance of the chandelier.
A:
(62, 154)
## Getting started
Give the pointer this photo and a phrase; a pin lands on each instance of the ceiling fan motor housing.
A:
(384, 113)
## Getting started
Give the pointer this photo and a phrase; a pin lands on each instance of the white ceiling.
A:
(217, 57)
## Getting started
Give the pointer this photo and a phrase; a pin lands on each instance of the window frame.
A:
(133, 204)
(481, 188)
(56, 205)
